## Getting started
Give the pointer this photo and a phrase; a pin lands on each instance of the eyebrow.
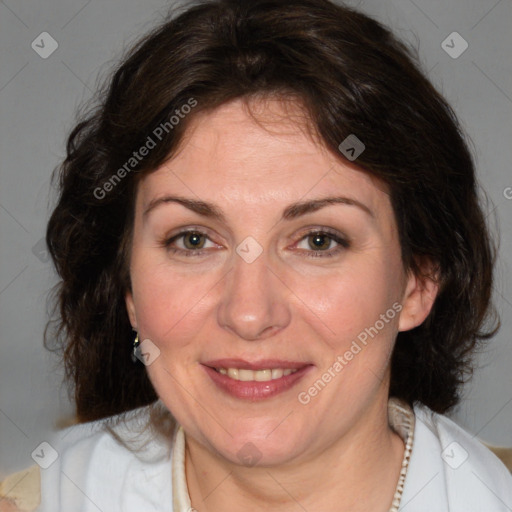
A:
(292, 211)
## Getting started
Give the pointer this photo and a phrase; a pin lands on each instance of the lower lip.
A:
(252, 390)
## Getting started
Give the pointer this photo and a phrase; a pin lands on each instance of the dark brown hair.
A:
(352, 76)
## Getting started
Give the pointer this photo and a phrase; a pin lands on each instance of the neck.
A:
(357, 472)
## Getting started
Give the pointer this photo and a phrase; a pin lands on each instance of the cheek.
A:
(348, 302)
(168, 304)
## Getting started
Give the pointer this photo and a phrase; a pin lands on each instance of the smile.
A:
(258, 375)
(255, 384)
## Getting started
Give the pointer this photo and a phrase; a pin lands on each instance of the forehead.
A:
(258, 155)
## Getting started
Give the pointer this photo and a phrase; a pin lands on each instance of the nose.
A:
(253, 303)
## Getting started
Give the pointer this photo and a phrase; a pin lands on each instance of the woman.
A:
(275, 270)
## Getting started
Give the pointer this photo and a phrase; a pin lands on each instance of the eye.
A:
(193, 242)
(320, 242)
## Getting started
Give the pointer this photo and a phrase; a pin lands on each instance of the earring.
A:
(136, 350)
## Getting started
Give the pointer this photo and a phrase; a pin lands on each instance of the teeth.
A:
(258, 376)
(277, 373)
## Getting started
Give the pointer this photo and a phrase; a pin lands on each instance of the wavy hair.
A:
(352, 76)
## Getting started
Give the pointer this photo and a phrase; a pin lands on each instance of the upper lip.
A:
(262, 364)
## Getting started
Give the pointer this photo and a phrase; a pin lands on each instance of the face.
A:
(248, 288)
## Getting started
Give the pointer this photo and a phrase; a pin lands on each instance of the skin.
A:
(338, 451)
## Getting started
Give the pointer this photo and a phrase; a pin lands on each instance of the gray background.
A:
(38, 100)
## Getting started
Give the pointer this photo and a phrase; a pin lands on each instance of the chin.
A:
(259, 445)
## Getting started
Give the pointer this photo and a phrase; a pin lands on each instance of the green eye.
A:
(320, 241)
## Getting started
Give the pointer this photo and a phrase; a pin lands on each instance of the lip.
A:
(252, 390)
(262, 364)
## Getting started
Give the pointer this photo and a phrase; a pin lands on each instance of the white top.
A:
(449, 470)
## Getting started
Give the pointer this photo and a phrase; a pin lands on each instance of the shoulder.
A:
(460, 448)
(20, 491)
(112, 464)
(449, 462)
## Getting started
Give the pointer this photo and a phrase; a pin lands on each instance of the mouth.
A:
(257, 376)
(255, 380)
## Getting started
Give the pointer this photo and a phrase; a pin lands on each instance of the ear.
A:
(130, 308)
(419, 296)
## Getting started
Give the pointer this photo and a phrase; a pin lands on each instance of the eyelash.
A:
(333, 235)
